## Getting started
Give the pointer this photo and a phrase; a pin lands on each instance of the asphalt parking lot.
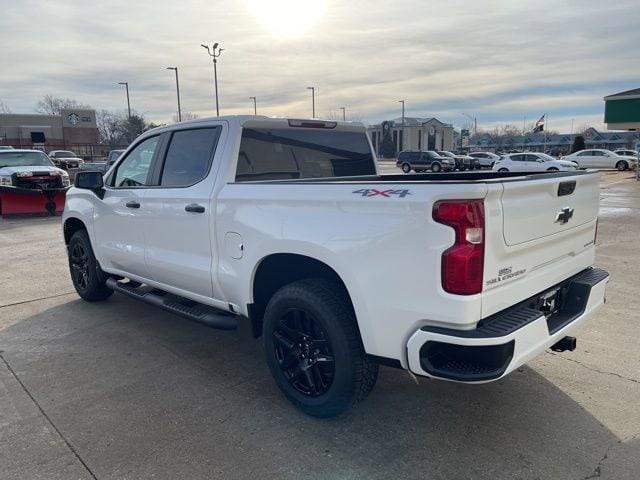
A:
(119, 390)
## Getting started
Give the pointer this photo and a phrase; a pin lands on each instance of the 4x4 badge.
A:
(564, 215)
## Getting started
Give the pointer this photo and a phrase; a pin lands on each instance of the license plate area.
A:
(550, 302)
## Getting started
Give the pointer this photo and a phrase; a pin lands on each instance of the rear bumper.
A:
(510, 338)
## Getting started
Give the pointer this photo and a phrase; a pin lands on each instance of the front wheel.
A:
(86, 274)
(503, 170)
(435, 167)
(552, 169)
(313, 348)
(622, 166)
(406, 168)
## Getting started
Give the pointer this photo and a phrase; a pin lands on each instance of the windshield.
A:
(24, 159)
(446, 154)
(65, 154)
(546, 158)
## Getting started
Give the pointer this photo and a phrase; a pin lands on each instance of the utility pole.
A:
(344, 113)
(214, 52)
(313, 101)
(126, 86)
(255, 107)
(401, 144)
(177, 92)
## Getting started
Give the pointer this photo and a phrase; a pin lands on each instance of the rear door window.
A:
(291, 153)
(189, 156)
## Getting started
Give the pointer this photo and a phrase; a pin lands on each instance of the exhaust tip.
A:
(566, 343)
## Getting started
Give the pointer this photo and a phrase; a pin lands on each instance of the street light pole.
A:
(475, 123)
(255, 107)
(214, 52)
(313, 101)
(344, 113)
(126, 86)
(177, 92)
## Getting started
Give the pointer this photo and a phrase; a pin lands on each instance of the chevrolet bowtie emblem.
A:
(564, 215)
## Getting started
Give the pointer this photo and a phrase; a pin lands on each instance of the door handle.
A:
(132, 205)
(195, 208)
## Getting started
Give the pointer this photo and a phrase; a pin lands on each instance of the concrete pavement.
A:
(119, 390)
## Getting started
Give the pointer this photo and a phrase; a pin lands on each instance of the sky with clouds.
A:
(497, 60)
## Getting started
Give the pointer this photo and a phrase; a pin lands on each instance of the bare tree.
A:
(50, 105)
(185, 116)
(4, 108)
(111, 127)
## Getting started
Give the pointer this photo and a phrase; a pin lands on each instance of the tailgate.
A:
(539, 231)
(540, 208)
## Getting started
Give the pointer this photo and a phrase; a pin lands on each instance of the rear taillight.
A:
(463, 263)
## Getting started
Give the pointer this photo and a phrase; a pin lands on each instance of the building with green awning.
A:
(622, 110)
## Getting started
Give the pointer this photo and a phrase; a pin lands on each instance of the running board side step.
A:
(196, 312)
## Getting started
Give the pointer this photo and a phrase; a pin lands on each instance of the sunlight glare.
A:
(287, 17)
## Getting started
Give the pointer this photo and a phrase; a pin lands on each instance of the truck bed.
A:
(449, 177)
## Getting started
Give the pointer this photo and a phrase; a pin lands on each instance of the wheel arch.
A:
(71, 226)
(279, 269)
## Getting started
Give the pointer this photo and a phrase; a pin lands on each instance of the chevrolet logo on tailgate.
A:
(564, 215)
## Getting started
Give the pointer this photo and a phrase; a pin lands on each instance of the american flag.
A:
(539, 124)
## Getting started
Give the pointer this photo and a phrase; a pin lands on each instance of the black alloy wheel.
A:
(88, 278)
(303, 352)
(314, 350)
(79, 266)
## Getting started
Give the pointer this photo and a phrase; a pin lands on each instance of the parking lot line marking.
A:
(37, 299)
(44, 414)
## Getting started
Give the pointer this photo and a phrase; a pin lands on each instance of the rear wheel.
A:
(503, 170)
(313, 348)
(552, 169)
(87, 276)
(622, 166)
(406, 168)
(435, 167)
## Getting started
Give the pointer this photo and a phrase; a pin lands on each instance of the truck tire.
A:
(435, 167)
(406, 168)
(86, 274)
(314, 350)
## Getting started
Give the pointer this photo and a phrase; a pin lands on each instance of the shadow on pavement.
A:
(139, 393)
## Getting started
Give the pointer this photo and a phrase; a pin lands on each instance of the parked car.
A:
(423, 161)
(626, 153)
(65, 159)
(6, 147)
(30, 169)
(461, 162)
(532, 162)
(486, 159)
(600, 158)
(287, 225)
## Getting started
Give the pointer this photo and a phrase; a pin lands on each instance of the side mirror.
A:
(90, 181)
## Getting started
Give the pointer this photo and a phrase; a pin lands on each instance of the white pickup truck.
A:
(286, 224)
